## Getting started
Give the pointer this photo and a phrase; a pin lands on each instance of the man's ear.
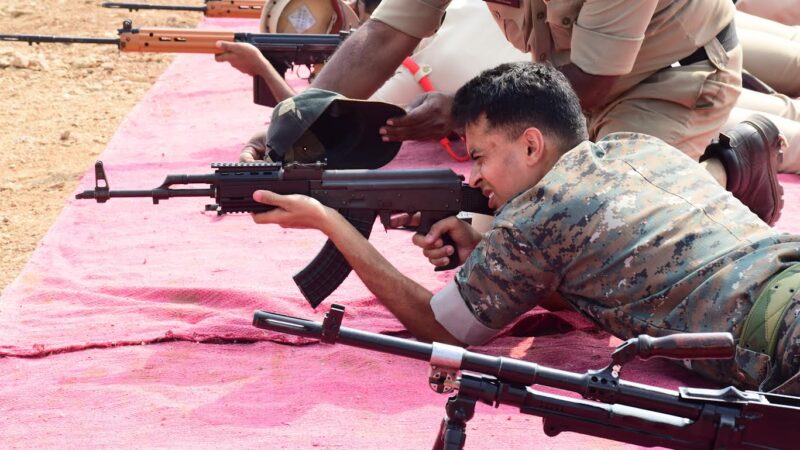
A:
(533, 139)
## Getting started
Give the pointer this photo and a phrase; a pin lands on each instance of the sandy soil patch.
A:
(61, 105)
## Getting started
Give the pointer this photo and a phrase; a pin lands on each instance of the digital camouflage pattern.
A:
(638, 237)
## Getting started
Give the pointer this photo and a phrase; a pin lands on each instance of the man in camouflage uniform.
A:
(630, 231)
(667, 68)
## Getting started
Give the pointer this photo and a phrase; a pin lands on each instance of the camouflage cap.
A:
(318, 125)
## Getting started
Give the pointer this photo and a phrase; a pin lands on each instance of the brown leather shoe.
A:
(750, 153)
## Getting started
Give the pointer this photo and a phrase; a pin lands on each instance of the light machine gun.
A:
(359, 195)
(282, 50)
(612, 408)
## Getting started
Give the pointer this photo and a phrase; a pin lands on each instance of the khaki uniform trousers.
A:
(685, 106)
(783, 11)
(774, 107)
(771, 52)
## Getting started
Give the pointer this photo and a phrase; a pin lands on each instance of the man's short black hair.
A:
(515, 96)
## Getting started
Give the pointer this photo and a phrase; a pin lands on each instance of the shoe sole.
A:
(775, 186)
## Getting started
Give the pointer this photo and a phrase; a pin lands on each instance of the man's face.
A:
(502, 166)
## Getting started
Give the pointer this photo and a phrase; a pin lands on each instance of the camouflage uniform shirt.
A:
(635, 235)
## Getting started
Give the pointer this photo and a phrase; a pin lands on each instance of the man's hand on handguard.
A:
(242, 56)
(255, 149)
(428, 118)
(464, 236)
(292, 211)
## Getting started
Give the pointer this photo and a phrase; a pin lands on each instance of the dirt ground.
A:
(61, 105)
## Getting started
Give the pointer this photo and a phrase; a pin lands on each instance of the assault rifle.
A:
(359, 195)
(238, 9)
(688, 418)
(282, 50)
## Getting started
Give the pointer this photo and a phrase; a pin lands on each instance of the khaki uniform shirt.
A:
(630, 39)
(635, 235)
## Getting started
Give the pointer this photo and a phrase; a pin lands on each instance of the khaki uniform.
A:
(641, 239)
(637, 41)
(783, 11)
(454, 55)
(771, 53)
(775, 108)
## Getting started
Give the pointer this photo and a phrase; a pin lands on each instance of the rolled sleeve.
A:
(454, 315)
(608, 34)
(417, 18)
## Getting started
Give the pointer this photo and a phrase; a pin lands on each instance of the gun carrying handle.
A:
(687, 346)
(330, 268)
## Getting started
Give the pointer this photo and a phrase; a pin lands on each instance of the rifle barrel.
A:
(37, 38)
(159, 194)
(138, 6)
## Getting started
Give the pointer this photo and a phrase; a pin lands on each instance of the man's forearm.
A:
(277, 85)
(591, 89)
(406, 299)
(365, 60)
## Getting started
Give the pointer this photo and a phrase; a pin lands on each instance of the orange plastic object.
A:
(427, 86)
(173, 40)
(239, 9)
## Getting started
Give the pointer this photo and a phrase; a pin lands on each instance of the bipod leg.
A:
(453, 430)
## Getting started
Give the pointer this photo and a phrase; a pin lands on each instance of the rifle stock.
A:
(611, 408)
(360, 195)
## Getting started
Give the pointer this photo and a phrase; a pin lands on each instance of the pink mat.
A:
(109, 279)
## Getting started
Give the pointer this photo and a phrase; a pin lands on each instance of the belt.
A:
(726, 37)
(760, 330)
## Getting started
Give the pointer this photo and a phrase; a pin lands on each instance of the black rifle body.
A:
(612, 408)
(359, 195)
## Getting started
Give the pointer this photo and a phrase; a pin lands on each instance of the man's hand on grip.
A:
(464, 236)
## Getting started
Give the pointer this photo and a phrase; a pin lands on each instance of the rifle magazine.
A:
(329, 268)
